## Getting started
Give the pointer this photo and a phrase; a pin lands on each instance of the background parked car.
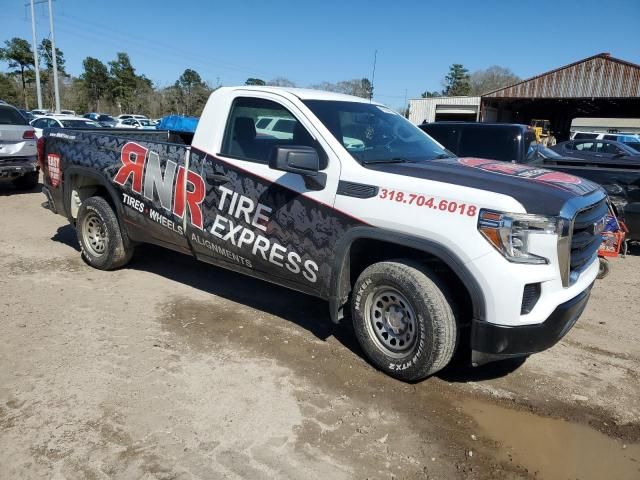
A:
(126, 116)
(62, 122)
(598, 150)
(39, 112)
(27, 115)
(18, 152)
(102, 118)
(283, 127)
(630, 139)
(139, 123)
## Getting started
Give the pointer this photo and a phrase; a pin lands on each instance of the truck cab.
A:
(427, 253)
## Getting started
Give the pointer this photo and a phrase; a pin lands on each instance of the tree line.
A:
(116, 87)
(460, 82)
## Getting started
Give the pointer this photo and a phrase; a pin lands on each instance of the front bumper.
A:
(491, 342)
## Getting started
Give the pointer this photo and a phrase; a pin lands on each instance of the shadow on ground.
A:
(7, 188)
(306, 311)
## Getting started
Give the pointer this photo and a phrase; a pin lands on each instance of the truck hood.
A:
(539, 190)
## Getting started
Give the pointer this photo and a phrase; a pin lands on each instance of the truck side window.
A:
(252, 133)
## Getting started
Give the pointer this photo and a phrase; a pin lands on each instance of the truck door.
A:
(265, 222)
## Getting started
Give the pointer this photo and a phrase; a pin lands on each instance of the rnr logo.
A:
(171, 189)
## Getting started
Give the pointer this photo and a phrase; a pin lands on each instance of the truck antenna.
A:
(373, 74)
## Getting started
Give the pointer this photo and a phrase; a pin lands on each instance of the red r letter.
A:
(132, 157)
(194, 197)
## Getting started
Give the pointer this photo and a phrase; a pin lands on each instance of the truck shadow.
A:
(307, 312)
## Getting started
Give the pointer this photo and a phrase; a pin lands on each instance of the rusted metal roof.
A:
(599, 76)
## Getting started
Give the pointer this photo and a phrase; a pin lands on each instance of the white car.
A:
(139, 123)
(126, 116)
(58, 121)
(282, 128)
(18, 152)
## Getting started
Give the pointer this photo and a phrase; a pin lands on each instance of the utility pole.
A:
(35, 55)
(55, 59)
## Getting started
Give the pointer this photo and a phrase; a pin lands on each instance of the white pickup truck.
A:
(427, 253)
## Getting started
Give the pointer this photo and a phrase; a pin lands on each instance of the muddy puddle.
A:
(554, 448)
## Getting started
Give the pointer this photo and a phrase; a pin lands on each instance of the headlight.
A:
(509, 233)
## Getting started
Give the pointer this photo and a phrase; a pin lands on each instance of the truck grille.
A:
(586, 236)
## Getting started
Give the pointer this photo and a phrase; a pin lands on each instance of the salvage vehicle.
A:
(18, 155)
(428, 253)
(619, 175)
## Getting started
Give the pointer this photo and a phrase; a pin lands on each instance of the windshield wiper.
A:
(386, 160)
(443, 155)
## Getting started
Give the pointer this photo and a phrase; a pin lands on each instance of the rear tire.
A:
(103, 244)
(28, 181)
(403, 321)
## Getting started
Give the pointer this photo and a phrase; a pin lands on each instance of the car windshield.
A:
(79, 124)
(539, 150)
(375, 134)
(145, 123)
(105, 118)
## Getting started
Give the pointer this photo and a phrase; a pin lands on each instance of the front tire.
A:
(403, 320)
(103, 244)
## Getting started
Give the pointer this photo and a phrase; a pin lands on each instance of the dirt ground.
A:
(172, 369)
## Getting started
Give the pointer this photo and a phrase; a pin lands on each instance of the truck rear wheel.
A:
(403, 320)
(101, 240)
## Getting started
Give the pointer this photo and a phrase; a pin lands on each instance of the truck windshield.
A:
(375, 134)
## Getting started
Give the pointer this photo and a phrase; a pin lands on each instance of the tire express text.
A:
(234, 207)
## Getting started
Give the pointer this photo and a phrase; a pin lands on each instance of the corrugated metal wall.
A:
(600, 76)
(421, 109)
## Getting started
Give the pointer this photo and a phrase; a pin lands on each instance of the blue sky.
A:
(309, 42)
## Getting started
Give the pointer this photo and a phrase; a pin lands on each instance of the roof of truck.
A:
(305, 93)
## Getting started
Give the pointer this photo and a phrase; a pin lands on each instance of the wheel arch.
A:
(81, 183)
(341, 279)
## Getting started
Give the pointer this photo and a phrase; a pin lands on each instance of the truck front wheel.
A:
(101, 240)
(403, 320)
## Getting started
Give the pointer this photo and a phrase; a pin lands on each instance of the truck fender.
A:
(340, 279)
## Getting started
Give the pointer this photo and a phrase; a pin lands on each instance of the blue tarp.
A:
(178, 123)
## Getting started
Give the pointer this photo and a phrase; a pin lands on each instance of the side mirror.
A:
(302, 160)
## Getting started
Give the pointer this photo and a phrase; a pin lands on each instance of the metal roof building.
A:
(597, 86)
(444, 108)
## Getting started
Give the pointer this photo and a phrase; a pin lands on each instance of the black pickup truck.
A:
(517, 143)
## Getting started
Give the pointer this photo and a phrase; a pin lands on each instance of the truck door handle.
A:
(218, 178)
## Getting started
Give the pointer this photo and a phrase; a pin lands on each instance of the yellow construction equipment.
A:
(542, 131)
